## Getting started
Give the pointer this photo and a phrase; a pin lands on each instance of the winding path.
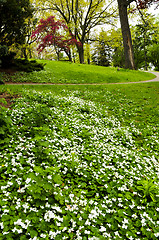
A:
(147, 81)
(156, 79)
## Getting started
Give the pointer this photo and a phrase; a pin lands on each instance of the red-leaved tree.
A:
(54, 33)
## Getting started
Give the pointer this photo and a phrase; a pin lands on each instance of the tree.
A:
(127, 41)
(145, 34)
(102, 50)
(12, 21)
(154, 55)
(108, 48)
(117, 50)
(81, 17)
(26, 49)
(49, 33)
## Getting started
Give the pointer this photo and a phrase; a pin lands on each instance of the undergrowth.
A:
(70, 170)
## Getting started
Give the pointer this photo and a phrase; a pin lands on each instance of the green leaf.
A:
(33, 233)
(38, 169)
(57, 179)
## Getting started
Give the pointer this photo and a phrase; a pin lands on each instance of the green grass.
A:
(65, 72)
(80, 162)
(137, 103)
(142, 100)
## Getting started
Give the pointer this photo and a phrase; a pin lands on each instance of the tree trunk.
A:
(145, 53)
(68, 53)
(127, 41)
(24, 52)
(30, 52)
(80, 53)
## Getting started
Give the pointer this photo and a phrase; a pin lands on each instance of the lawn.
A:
(80, 162)
(65, 72)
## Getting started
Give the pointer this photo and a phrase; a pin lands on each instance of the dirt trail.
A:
(27, 83)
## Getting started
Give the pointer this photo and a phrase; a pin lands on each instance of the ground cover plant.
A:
(71, 168)
(65, 72)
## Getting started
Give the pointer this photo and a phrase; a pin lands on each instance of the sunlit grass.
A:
(65, 72)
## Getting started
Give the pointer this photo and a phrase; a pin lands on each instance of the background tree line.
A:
(79, 42)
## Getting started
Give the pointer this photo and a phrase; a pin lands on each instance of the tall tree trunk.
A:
(88, 60)
(145, 53)
(127, 41)
(30, 52)
(80, 53)
(88, 52)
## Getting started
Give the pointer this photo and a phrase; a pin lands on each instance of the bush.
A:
(3, 50)
(118, 58)
(28, 66)
(8, 60)
(6, 57)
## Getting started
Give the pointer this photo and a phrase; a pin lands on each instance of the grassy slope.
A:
(137, 103)
(134, 105)
(69, 72)
(108, 164)
(65, 72)
(142, 100)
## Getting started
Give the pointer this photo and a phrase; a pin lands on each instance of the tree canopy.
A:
(54, 33)
(81, 16)
(12, 20)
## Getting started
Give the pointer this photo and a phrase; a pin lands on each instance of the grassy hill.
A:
(79, 161)
(66, 72)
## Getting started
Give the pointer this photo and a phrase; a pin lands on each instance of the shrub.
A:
(7, 60)
(28, 66)
(3, 50)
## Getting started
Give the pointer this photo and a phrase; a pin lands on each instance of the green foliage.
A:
(12, 21)
(149, 189)
(78, 172)
(102, 50)
(118, 57)
(5, 125)
(3, 50)
(101, 56)
(24, 65)
(145, 37)
(8, 60)
(1, 81)
(28, 66)
(154, 55)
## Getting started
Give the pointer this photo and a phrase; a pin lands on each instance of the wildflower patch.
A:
(70, 171)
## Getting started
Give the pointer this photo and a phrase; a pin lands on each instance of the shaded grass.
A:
(133, 102)
(65, 72)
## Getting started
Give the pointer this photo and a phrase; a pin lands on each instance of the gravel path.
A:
(152, 80)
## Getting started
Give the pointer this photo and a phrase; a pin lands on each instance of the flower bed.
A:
(70, 171)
